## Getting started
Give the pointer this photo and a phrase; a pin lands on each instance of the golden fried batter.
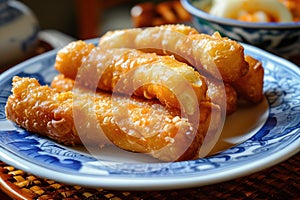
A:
(137, 94)
(69, 58)
(62, 84)
(133, 71)
(250, 86)
(222, 94)
(43, 110)
(220, 57)
(131, 124)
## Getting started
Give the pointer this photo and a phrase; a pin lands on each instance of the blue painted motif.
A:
(281, 87)
(31, 39)
(8, 14)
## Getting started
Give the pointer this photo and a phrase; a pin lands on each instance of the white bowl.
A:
(281, 38)
(18, 32)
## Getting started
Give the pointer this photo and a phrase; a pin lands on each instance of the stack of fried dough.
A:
(146, 14)
(158, 91)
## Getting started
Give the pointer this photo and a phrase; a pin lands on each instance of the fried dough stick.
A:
(70, 58)
(250, 86)
(208, 54)
(222, 94)
(63, 84)
(125, 70)
(139, 126)
(207, 110)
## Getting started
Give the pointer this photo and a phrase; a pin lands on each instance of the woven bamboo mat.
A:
(278, 182)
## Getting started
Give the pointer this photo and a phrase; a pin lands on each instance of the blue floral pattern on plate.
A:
(278, 139)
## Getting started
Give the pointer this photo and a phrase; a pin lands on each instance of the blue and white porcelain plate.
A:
(256, 138)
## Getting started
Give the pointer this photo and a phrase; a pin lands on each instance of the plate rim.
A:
(154, 183)
(143, 183)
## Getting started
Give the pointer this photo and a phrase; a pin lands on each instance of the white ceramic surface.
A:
(279, 38)
(272, 136)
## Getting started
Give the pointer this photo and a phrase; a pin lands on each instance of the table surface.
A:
(278, 182)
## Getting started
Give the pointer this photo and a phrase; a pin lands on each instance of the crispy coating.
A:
(70, 57)
(222, 94)
(42, 110)
(131, 124)
(231, 99)
(173, 12)
(62, 84)
(220, 57)
(250, 86)
(208, 111)
(152, 14)
(147, 75)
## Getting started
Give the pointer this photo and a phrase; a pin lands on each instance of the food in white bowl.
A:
(252, 10)
(275, 29)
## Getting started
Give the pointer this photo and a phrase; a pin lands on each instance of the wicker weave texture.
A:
(278, 182)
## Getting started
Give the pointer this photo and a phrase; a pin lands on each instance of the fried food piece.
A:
(231, 99)
(250, 86)
(62, 84)
(222, 94)
(69, 58)
(153, 14)
(181, 12)
(128, 71)
(233, 8)
(42, 110)
(131, 124)
(220, 57)
(172, 12)
(142, 15)
(208, 110)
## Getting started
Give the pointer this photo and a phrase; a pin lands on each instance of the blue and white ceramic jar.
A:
(18, 32)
